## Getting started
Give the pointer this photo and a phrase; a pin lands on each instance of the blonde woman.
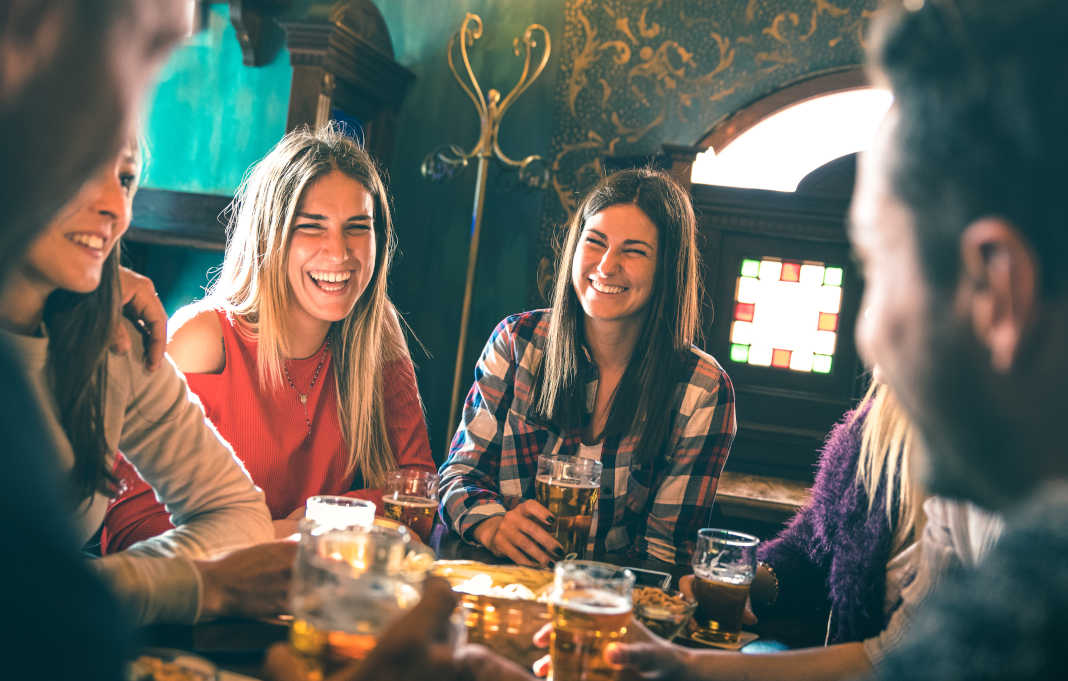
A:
(297, 352)
(847, 568)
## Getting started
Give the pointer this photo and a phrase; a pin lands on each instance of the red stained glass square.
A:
(743, 312)
(791, 271)
(781, 358)
(828, 321)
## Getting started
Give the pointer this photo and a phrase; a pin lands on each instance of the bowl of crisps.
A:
(167, 664)
(663, 613)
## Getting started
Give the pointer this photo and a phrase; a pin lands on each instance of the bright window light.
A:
(778, 152)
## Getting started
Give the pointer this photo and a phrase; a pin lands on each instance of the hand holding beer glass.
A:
(411, 498)
(724, 564)
(591, 607)
(568, 487)
(349, 584)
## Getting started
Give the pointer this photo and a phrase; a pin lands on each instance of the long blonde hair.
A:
(887, 451)
(253, 285)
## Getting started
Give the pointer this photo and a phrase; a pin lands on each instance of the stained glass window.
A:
(786, 314)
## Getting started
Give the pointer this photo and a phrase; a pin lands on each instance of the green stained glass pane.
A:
(750, 268)
(821, 364)
(739, 353)
(832, 276)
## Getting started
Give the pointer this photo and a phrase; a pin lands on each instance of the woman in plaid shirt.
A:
(610, 371)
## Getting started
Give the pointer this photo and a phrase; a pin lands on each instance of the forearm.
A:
(153, 589)
(842, 661)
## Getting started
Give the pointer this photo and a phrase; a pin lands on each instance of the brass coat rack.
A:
(445, 162)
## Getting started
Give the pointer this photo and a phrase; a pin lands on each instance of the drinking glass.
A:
(568, 487)
(590, 606)
(349, 584)
(411, 498)
(339, 512)
(724, 565)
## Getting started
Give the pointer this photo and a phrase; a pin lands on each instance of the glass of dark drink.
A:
(724, 564)
(411, 498)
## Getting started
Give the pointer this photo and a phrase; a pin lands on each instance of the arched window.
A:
(782, 148)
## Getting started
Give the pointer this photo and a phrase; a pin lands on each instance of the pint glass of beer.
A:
(349, 584)
(590, 607)
(411, 498)
(724, 564)
(568, 487)
(339, 512)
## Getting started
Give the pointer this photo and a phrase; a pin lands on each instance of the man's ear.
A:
(1000, 276)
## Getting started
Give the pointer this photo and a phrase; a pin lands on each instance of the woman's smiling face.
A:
(331, 248)
(70, 253)
(614, 268)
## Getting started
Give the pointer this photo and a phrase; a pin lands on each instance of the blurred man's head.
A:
(960, 223)
(72, 74)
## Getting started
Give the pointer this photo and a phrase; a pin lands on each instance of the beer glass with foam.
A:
(338, 511)
(724, 564)
(411, 498)
(568, 486)
(590, 606)
(349, 584)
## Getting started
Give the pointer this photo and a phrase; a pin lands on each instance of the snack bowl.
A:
(168, 664)
(665, 614)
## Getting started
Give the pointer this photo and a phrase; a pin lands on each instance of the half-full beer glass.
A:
(568, 486)
(590, 607)
(724, 564)
(411, 498)
(349, 584)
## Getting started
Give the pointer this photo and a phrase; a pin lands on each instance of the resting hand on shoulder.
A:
(521, 535)
(142, 306)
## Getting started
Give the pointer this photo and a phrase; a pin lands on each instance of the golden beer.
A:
(720, 604)
(415, 512)
(572, 507)
(329, 646)
(584, 623)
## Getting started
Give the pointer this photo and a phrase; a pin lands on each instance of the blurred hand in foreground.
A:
(249, 582)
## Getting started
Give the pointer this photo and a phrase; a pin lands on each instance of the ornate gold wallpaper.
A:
(638, 73)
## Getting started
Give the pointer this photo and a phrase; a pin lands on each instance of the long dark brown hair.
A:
(79, 328)
(671, 322)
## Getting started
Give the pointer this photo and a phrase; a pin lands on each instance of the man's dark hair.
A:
(981, 88)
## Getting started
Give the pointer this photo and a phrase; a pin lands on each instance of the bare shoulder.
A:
(195, 340)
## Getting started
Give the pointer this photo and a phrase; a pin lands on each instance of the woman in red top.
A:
(297, 352)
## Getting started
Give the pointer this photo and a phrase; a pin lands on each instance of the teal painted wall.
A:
(211, 116)
(209, 119)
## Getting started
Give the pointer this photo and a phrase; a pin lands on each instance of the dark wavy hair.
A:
(79, 328)
(671, 324)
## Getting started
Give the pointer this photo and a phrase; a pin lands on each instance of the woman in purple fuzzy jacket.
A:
(842, 561)
(843, 565)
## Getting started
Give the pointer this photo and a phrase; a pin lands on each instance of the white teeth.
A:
(90, 240)
(330, 276)
(606, 288)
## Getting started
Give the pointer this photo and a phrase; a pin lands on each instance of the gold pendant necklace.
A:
(302, 397)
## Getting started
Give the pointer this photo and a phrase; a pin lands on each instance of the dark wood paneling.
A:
(161, 216)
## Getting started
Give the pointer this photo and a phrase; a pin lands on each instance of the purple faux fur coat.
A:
(833, 554)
